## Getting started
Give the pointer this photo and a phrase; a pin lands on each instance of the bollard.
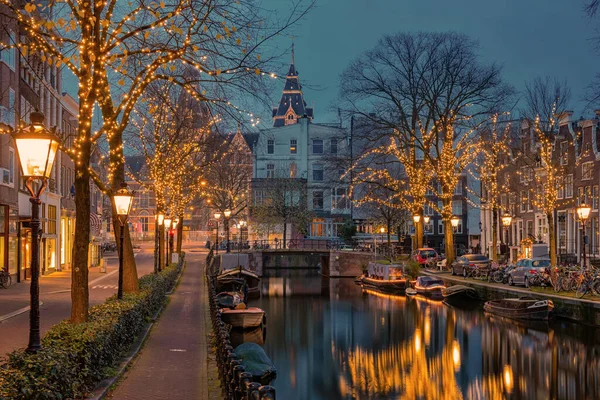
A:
(237, 371)
(252, 391)
(266, 392)
(242, 385)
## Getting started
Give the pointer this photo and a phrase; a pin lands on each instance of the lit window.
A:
(293, 146)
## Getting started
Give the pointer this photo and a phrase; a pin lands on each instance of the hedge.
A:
(75, 358)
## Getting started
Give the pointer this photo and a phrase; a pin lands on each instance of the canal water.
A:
(329, 339)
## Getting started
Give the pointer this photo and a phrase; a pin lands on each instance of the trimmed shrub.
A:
(74, 358)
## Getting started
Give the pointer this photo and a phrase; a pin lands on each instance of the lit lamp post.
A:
(36, 147)
(172, 235)
(416, 219)
(217, 218)
(506, 221)
(167, 222)
(583, 212)
(426, 219)
(160, 217)
(454, 221)
(227, 214)
(123, 199)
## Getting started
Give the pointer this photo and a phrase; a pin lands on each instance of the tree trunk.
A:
(449, 242)
(494, 255)
(551, 238)
(117, 160)
(156, 262)
(161, 246)
(81, 241)
(179, 234)
(419, 228)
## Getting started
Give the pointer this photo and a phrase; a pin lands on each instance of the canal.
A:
(329, 339)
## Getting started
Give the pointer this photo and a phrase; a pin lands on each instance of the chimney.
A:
(597, 112)
(564, 117)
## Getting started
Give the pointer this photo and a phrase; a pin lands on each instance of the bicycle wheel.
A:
(557, 284)
(566, 284)
(582, 290)
(596, 287)
(5, 280)
(498, 276)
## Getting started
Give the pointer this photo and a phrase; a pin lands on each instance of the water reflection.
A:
(331, 340)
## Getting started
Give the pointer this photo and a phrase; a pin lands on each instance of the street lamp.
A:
(426, 220)
(583, 212)
(160, 217)
(167, 221)
(123, 199)
(36, 147)
(506, 221)
(454, 221)
(227, 214)
(217, 217)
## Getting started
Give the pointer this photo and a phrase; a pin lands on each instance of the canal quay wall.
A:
(580, 310)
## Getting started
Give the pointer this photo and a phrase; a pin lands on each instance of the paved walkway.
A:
(176, 361)
(55, 294)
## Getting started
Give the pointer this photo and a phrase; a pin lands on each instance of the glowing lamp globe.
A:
(36, 147)
(227, 213)
(160, 218)
(506, 220)
(583, 211)
(416, 218)
(217, 216)
(454, 221)
(123, 200)
(168, 221)
(426, 219)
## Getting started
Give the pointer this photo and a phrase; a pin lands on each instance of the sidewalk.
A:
(175, 361)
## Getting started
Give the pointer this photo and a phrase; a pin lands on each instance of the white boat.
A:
(243, 318)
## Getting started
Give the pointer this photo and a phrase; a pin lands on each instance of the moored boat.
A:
(521, 308)
(411, 292)
(430, 286)
(256, 362)
(250, 277)
(384, 278)
(229, 299)
(250, 317)
(460, 292)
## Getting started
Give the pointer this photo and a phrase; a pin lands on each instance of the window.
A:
(564, 148)
(568, 186)
(259, 197)
(317, 172)
(580, 196)
(51, 220)
(530, 228)
(428, 210)
(440, 227)
(270, 170)
(290, 119)
(458, 189)
(318, 200)
(339, 199)
(587, 170)
(457, 208)
(317, 146)
(334, 146)
(524, 200)
(560, 186)
(595, 197)
(9, 55)
(145, 225)
(270, 146)
(293, 170)
(293, 146)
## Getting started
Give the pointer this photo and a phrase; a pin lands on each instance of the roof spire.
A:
(293, 50)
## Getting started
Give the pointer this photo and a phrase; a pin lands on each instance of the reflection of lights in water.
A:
(418, 340)
(384, 296)
(382, 321)
(456, 355)
(427, 328)
(508, 378)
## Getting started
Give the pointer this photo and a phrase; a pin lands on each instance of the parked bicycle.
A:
(589, 282)
(5, 279)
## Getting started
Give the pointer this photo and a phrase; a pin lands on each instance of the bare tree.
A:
(428, 92)
(546, 101)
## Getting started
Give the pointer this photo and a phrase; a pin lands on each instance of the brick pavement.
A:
(55, 294)
(176, 362)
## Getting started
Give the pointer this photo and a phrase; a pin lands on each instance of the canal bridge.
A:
(328, 257)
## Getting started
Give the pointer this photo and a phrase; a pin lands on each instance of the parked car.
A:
(525, 268)
(461, 265)
(425, 255)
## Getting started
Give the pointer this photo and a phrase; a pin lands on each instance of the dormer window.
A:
(290, 119)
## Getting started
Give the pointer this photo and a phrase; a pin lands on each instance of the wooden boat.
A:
(460, 292)
(430, 286)
(230, 284)
(384, 278)
(251, 317)
(521, 308)
(239, 336)
(229, 299)
(250, 277)
(358, 279)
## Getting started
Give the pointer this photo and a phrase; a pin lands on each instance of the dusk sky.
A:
(528, 37)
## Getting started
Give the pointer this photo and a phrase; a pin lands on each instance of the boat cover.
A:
(256, 362)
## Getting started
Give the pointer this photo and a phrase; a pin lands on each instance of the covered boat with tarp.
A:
(256, 362)
(385, 278)
(430, 286)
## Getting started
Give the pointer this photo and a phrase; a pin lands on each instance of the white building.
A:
(297, 148)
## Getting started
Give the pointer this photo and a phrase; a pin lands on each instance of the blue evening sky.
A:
(528, 37)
